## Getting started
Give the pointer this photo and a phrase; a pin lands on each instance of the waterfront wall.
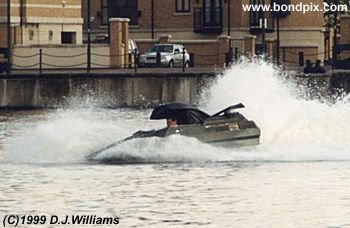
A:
(142, 89)
(331, 84)
(53, 91)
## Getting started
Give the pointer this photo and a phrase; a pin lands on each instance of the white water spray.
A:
(293, 129)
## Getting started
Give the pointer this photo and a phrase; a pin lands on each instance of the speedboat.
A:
(226, 128)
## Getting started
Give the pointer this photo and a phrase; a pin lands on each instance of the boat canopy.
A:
(183, 113)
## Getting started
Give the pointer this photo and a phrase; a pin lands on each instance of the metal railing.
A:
(48, 61)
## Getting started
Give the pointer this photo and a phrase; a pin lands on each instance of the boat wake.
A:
(294, 127)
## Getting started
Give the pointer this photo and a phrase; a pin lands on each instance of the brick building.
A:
(206, 19)
(215, 24)
(42, 22)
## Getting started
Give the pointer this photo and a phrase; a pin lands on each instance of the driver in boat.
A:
(171, 122)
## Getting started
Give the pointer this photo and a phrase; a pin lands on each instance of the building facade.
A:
(192, 22)
(41, 22)
(206, 19)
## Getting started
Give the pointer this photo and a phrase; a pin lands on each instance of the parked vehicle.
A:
(171, 55)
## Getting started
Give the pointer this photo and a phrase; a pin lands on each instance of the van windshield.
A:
(162, 48)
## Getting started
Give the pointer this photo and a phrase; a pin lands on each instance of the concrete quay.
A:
(125, 87)
(121, 87)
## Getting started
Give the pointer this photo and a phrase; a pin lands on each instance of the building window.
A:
(182, 6)
(255, 15)
(124, 9)
(68, 38)
(280, 13)
(104, 12)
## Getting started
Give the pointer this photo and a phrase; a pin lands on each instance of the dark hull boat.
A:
(227, 128)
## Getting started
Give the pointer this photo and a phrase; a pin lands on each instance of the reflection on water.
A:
(224, 194)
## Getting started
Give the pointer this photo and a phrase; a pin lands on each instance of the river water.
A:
(299, 176)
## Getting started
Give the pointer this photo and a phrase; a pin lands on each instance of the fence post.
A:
(130, 60)
(158, 59)
(334, 56)
(135, 60)
(40, 61)
(191, 60)
(236, 53)
(183, 59)
(88, 60)
(301, 58)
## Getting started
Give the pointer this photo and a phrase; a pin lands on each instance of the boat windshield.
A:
(191, 117)
(161, 48)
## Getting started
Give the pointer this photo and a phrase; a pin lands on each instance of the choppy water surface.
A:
(298, 176)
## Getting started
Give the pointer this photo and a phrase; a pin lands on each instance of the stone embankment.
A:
(21, 90)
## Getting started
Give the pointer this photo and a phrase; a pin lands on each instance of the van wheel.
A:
(171, 64)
